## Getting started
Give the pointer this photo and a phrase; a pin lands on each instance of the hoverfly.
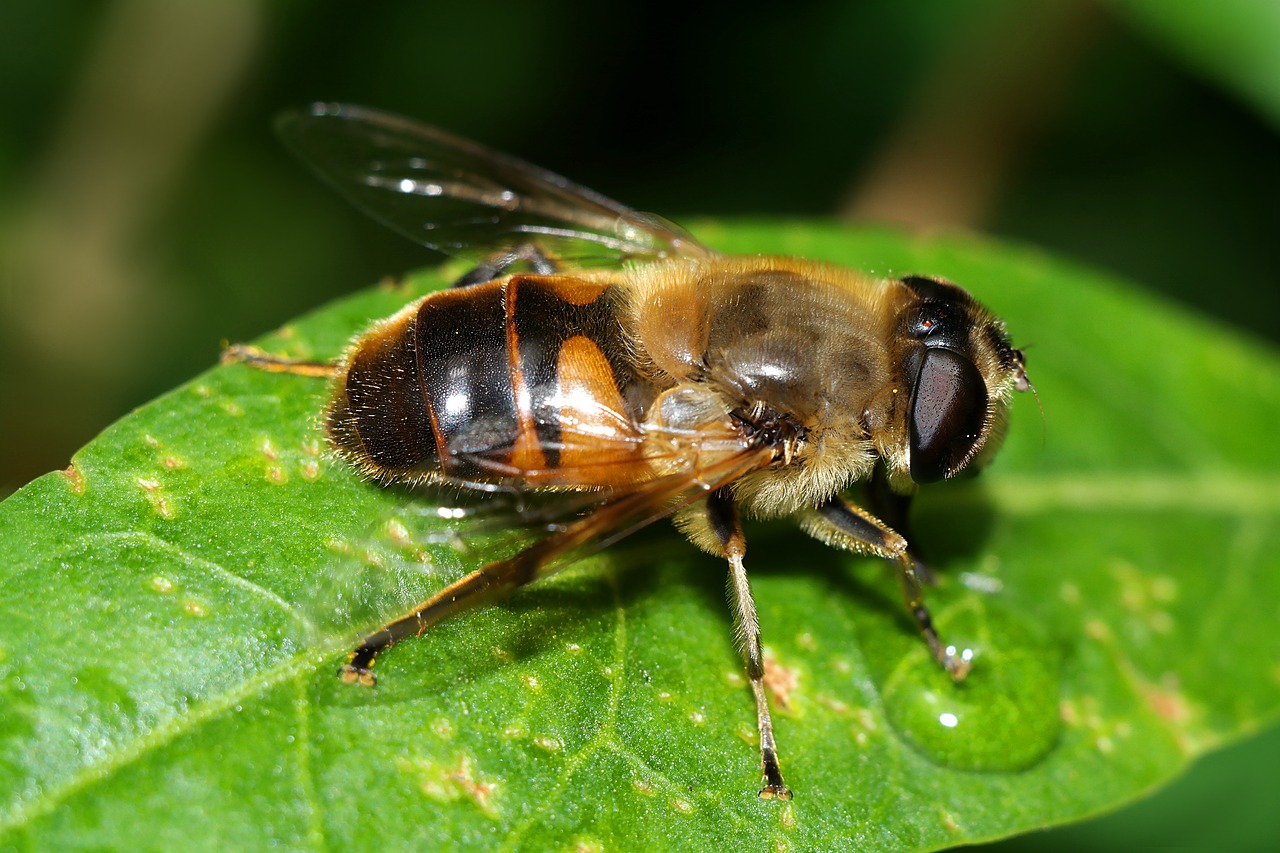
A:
(607, 356)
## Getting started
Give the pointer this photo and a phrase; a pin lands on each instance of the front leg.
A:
(842, 525)
(894, 510)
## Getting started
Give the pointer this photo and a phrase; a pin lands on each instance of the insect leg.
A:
(471, 591)
(723, 520)
(895, 511)
(263, 360)
(602, 527)
(506, 262)
(842, 525)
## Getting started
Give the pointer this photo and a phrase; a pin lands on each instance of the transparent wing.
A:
(415, 546)
(466, 200)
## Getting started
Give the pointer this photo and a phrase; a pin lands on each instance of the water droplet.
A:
(1004, 716)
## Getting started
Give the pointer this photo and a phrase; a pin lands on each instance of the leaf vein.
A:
(21, 813)
(214, 568)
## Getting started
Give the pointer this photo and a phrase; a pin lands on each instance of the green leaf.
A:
(167, 659)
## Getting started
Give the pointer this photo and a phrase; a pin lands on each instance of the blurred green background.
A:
(147, 214)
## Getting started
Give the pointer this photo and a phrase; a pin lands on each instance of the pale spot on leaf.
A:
(549, 743)
(451, 783)
(74, 478)
(780, 680)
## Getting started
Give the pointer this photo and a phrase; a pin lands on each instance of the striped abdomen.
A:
(524, 380)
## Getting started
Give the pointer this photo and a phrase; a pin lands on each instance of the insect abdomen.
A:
(467, 383)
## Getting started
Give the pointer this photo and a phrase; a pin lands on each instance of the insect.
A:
(607, 360)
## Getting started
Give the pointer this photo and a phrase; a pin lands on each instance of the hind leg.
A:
(263, 360)
(526, 257)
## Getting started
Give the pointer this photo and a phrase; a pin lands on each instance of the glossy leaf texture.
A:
(167, 674)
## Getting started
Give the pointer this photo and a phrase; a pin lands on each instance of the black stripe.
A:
(540, 327)
(462, 355)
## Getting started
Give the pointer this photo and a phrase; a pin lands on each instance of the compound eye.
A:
(948, 410)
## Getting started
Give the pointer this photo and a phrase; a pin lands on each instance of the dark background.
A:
(147, 214)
